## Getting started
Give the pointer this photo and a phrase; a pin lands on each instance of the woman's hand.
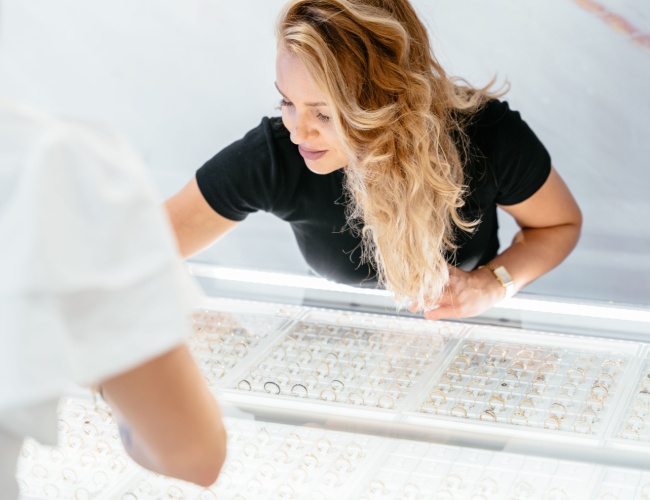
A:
(467, 294)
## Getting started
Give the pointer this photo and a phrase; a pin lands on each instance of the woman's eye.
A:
(322, 117)
(284, 102)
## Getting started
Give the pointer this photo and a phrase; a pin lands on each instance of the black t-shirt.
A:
(264, 171)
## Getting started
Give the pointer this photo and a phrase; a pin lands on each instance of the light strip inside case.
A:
(601, 311)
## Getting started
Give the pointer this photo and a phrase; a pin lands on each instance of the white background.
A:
(182, 79)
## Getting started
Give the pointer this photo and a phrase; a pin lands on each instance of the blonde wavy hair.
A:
(401, 119)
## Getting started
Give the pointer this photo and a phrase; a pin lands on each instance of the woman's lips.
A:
(311, 154)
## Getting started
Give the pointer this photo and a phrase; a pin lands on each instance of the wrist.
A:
(502, 279)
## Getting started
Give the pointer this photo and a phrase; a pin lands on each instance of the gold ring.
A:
(526, 403)
(462, 358)
(552, 422)
(498, 353)
(460, 409)
(498, 399)
(322, 369)
(440, 397)
(547, 368)
(328, 394)
(580, 371)
(519, 416)
(488, 414)
(244, 385)
(582, 426)
(635, 422)
(555, 407)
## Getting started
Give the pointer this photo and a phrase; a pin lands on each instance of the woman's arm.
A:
(550, 223)
(169, 421)
(195, 223)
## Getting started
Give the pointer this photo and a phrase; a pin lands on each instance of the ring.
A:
(272, 387)
(497, 352)
(385, 401)
(358, 363)
(594, 403)
(489, 367)
(279, 353)
(353, 451)
(475, 389)
(342, 464)
(251, 450)
(331, 357)
(525, 352)
(356, 399)
(293, 368)
(323, 445)
(299, 391)
(603, 375)
(256, 374)
(582, 426)
(445, 382)
(472, 347)
(454, 374)
(283, 378)
(376, 487)
(552, 422)
(521, 366)
(635, 422)
(630, 433)
(599, 391)
(464, 359)
(552, 358)
(385, 366)
(328, 394)
(437, 396)
(458, 408)
(547, 368)
(322, 369)
(528, 404)
(512, 378)
(337, 385)
(244, 385)
(217, 368)
(572, 371)
(280, 457)
(263, 436)
(499, 400)
(403, 379)
(288, 343)
(518, 418)
(293, 441)
(311, 460)
(555, 407)
(488, 414)
(303, 357)
(240, 349)
(310, 381)
(569, 389)
(589, 414)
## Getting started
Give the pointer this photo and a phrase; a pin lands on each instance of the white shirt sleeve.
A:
(92, 284)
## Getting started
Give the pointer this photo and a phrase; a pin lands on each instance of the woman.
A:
(405, 167)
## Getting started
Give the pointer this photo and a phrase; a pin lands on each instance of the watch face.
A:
(503, 275)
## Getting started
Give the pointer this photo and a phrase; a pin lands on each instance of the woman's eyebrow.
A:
(310, 104)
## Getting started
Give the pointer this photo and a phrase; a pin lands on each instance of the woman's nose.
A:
(300, 131)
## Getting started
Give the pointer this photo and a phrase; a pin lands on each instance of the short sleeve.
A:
(521, 161)
(241, 178)
(92, 282)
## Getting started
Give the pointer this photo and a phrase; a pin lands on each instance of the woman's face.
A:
(307, 116)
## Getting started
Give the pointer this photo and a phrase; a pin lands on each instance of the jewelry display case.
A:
(330, 393)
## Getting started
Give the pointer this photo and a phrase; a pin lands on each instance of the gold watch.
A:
(503, 276)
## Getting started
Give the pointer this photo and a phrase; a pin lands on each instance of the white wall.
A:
(183, 79)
